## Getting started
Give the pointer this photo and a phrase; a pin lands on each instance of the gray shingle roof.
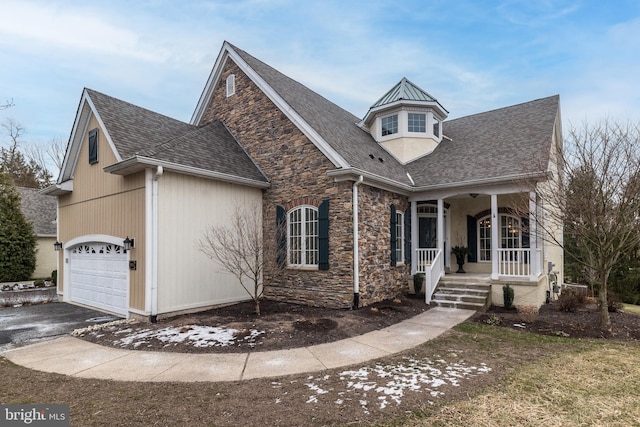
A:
(137, 131)
(498, 143)
(336, 125)
(211, 147)
(40, 210)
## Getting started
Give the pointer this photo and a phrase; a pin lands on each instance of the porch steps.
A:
(459, 292)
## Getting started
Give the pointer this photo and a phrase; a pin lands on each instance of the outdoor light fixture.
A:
(57, 246)
(473, 195)
(128, 243)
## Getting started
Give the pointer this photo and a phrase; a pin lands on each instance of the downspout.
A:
(154, 245)
(356, 263)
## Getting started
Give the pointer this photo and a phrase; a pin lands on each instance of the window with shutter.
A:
(93, 146)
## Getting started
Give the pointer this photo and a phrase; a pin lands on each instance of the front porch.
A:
(504, 246)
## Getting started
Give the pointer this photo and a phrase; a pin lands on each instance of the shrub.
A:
(614, 303)
(54, 277)
(527, 313)
(39, 283)
(418, 281)
(570, 299)
(508, 295)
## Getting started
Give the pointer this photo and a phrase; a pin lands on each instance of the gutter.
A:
(154, 244)
(349, 174)
(138, 163)
(356, 236)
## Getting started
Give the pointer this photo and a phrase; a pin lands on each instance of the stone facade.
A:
(379, 280)
(297, 171)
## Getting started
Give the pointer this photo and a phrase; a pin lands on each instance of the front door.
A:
(428, 229)
(428, 234)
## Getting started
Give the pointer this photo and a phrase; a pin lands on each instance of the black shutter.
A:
(393, 235)
(93, 146)
(524, 227)
(526, 241)
(323, 235)
(407, 236)
(472, 239)
(281, 236)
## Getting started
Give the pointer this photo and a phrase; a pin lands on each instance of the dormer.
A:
(406, 121)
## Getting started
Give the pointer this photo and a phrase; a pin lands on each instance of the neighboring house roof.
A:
(507, 142)
(40, 210)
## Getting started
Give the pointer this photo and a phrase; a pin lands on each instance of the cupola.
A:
(406, 121)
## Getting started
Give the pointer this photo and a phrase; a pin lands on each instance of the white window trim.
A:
(398, 131)
(400, 238)
(500, 216)
(426, 123)
(303, 239)
(231, 85)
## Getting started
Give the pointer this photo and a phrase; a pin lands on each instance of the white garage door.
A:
(99, 276)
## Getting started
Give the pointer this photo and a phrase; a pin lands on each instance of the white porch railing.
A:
(431, 263)
(425, 258)
(514, 262)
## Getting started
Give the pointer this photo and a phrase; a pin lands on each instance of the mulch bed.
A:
(284, 325)
(584, 322)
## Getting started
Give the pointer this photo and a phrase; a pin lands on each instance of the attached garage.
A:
(99, 276)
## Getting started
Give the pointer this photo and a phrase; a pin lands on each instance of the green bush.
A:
(54, 277)
(418, 281)
(17, 238)
(508, 295)
(38, 283)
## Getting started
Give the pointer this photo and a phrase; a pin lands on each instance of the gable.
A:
(87, 118)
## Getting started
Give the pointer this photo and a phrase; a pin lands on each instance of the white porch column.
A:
(495, 236)
(414, 236)
(534, 262)
(441, 230)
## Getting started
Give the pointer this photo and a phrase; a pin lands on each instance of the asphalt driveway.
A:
(21, 325)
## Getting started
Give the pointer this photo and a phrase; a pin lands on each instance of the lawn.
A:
(630, 308)
(474, 374)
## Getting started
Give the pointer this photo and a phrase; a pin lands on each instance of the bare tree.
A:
(7, 104)
(48, 156)
(239, 247)
(596, 198)
(25, 170)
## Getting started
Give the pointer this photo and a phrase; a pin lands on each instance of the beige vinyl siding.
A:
(186, 207)
(102, 203)
(46, 260)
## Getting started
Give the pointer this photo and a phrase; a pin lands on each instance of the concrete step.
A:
(464, 291)
(454, 304)
(460, 297)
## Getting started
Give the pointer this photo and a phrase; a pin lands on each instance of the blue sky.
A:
(471, 55)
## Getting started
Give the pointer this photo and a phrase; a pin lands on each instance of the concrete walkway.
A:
(78, 358)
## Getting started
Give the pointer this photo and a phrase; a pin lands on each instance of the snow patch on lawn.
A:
(198, 336)
(387, 384)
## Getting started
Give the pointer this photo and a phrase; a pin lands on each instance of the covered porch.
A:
(503, 243)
